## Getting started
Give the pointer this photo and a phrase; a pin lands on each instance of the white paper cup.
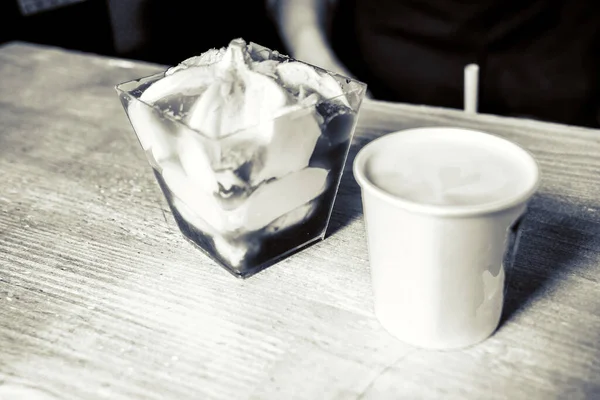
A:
(437, 269)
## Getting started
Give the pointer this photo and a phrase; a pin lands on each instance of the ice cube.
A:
(295, 74)
(194, 155)
(280, 196)
(205, 114)
(154, 133)
(269, 202)
(187, 82)
(229, 106)
(293, 138)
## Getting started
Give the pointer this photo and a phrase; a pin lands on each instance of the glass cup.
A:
(253, 196)
(440, 219)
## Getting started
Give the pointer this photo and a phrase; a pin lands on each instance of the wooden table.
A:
(102, 298)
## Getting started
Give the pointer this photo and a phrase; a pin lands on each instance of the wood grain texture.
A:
(102, 298)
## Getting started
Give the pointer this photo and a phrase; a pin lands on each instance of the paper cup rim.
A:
(445, 210)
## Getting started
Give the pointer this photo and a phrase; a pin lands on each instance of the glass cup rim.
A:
(521, 197)
(360, 87)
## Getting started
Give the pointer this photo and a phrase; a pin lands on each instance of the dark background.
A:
(160, 31)
(169, 31)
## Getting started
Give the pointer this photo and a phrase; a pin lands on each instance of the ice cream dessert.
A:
(248, 147)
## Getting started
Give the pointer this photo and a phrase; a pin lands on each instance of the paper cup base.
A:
(393, 325)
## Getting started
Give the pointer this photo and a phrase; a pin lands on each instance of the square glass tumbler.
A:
(252, 197)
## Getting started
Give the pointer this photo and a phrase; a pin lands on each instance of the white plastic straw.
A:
(471, 88)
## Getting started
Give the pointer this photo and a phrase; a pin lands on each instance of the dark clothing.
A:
(539, 59)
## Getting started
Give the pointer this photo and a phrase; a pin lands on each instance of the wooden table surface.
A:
(102, 298)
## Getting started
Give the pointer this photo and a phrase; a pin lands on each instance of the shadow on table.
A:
(555, 239)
